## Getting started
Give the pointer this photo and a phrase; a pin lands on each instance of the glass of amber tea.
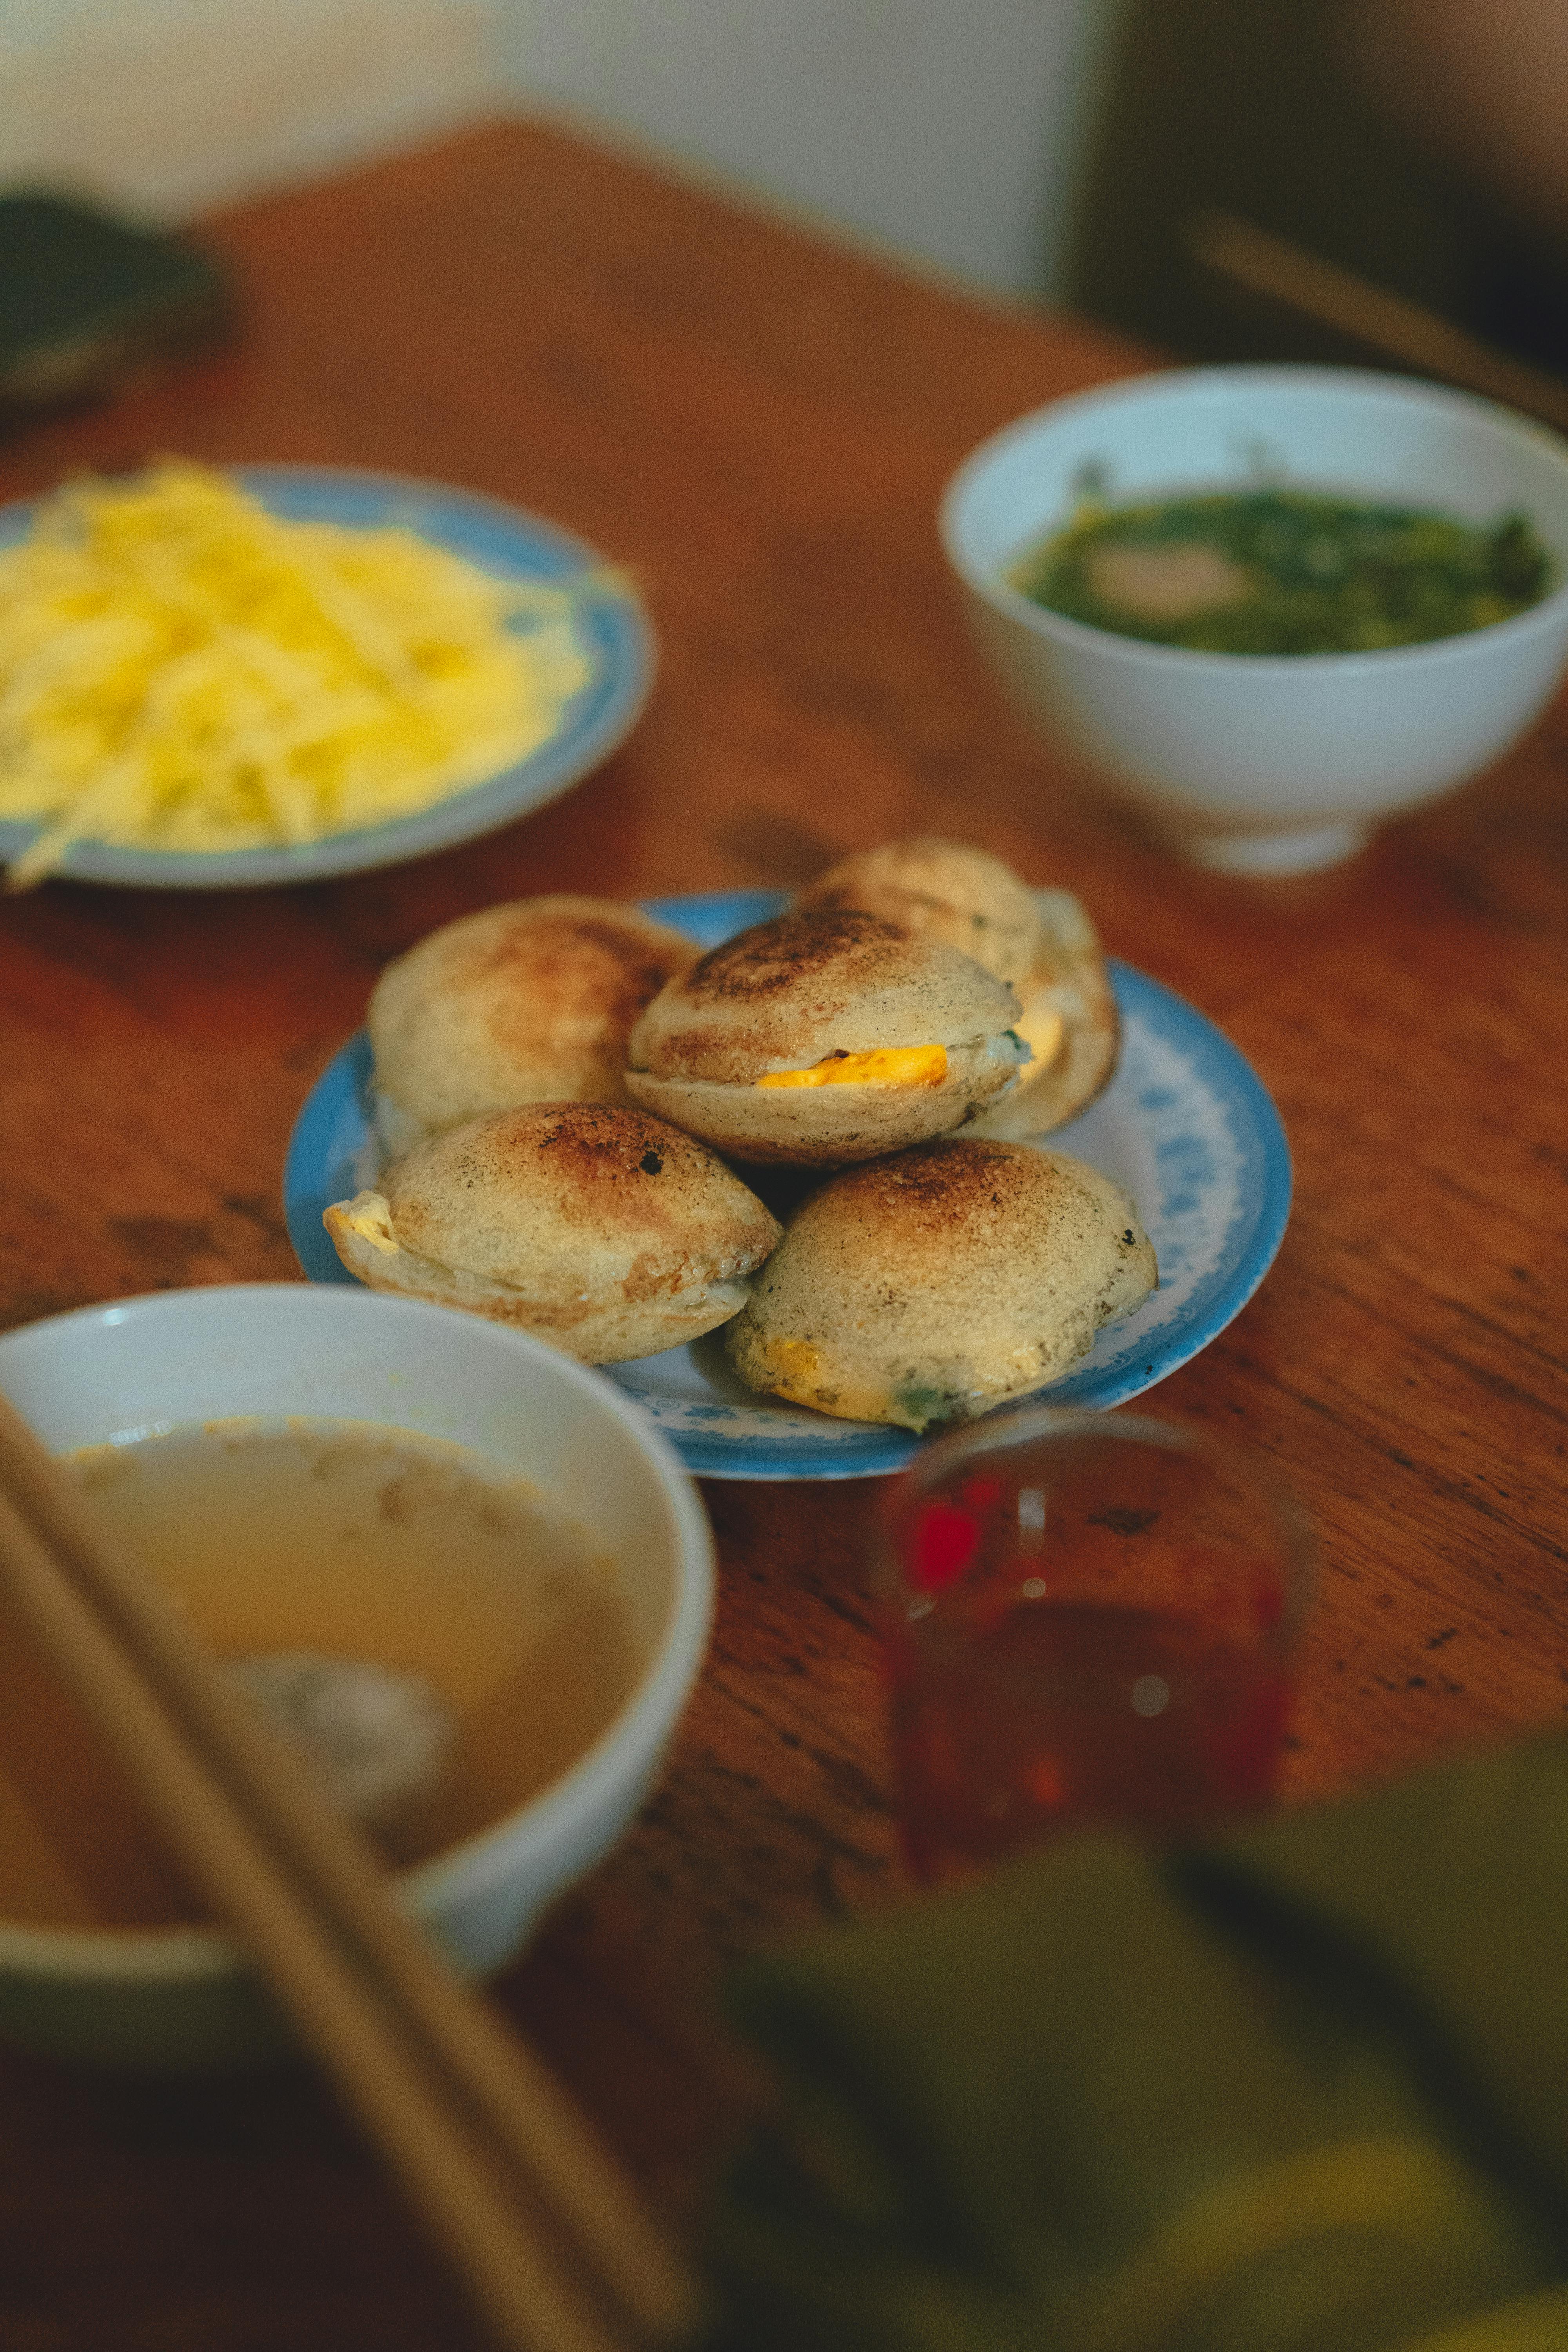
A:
(1089, 1619)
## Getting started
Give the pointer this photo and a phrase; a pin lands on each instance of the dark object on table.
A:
(1265, 181)
(87, 299)
(1299, 2090)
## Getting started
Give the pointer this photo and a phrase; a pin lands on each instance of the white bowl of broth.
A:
(1262, 762)
(481, 1579)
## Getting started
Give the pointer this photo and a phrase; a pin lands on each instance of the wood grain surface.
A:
(758, 425)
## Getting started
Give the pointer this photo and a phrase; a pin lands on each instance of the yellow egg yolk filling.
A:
(889, 1065)
(795, 1360)
(797, 1372)
(368, 1215)
(1043, 1030)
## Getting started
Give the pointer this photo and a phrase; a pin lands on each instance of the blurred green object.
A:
(1296, 572)
(88, 300)
(1304, 2089)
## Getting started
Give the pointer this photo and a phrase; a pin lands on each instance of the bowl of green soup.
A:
(1269, 607)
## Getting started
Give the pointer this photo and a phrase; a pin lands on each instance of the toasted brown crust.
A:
(938, 1284)
(841, 949)
(948, 890)
(787, 993)
(593, 1225)
(529, 1001)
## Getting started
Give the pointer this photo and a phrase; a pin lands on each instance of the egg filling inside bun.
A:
(893, 1065)
(1070, 1021)
(826, 1037)
(590, 1224)
(1041, 942)
(938, 1284)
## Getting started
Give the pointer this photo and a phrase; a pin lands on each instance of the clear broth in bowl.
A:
(346, 1542)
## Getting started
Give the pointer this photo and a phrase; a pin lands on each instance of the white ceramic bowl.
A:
(1263, 763)
(180, 1998)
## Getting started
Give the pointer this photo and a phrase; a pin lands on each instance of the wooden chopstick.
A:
(506, 2171)
(1280, 271)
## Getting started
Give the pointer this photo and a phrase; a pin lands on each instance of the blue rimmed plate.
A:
(501, 540)
(1186, 1125)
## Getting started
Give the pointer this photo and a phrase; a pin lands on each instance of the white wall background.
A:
(946, 130)
(165, 106)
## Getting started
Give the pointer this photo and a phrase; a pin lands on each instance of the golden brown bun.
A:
(945, 889)
(590, 1224)
(938, 1284)
(786, 996)
(528, 1002)
(1042, 941)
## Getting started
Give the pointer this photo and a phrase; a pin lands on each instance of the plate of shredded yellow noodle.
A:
(216, 679)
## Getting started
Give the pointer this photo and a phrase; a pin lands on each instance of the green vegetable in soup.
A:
(1284, 571)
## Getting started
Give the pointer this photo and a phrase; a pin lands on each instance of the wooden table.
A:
(759, 425)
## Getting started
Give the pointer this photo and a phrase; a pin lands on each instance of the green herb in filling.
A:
(921, 1408)
(1284, 571)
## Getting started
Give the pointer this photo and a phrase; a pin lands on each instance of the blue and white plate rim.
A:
(1186, 1123)
(499, 537)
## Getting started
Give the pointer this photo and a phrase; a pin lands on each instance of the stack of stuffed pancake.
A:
(826, 1037)
(1041, 942)
(885, 1028)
